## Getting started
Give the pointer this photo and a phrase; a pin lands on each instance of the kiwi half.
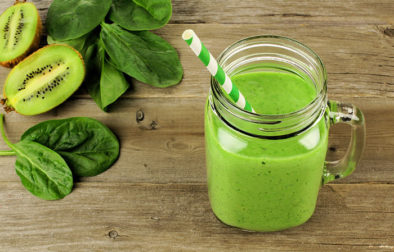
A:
(20, 31)
(43, 80)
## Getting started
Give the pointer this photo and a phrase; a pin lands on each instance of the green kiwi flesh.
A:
(43, 80)
(20, 31)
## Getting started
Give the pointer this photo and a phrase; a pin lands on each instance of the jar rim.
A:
(257, 117)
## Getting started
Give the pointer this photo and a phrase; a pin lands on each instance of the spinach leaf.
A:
(42, 171)
(107, 87)
(103, 81)
(142, 55)
(140, 15)
(78, 44)
(87, 145)
(112, 84)
(81, 44)
(70, 19)
(93, 70)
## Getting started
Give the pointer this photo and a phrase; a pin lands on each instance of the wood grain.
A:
(284, 12)
(155, 199)
(167, 146)
(332, 12)
(359, 60)
(176, 217)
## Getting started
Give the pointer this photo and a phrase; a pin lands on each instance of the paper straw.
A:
(216, 70)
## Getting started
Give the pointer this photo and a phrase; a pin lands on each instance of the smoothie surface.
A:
(275, 92)
(265, 184)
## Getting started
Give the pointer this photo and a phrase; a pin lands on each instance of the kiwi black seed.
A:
(20, 31)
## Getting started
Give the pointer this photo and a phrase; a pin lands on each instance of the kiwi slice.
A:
(43, 80)
(20, 31)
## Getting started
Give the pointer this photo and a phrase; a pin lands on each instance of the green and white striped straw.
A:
(216, 70)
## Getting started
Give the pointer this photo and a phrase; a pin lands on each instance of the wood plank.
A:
(155, 199)
(283, 12)
(344, 49)
(269, 12)
(111, 216)
(168, 145)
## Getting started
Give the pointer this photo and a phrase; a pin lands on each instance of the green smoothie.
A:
(264, 184)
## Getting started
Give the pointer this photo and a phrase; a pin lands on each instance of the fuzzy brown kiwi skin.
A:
(34, 45)
(8, 108)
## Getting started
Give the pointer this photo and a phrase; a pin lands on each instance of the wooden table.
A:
(155, 197)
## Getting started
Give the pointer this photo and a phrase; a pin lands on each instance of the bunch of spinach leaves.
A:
(114, 39)
(51, 152)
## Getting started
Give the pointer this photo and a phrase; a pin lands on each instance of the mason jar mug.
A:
(264, 171)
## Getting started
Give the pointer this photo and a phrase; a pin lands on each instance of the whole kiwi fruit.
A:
(20, 32)
(43, 80)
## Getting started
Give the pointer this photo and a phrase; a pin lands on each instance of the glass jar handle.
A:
(349, 114)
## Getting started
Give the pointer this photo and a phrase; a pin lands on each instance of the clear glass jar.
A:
(264, 171)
